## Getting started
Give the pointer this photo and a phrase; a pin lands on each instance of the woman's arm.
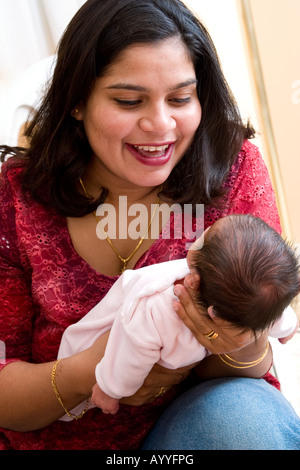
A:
(28, 401)
(27, 398)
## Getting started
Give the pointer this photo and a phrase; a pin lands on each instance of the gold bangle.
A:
(244, 365)
(53, 373)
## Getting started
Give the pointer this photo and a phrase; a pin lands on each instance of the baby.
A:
(244, 272)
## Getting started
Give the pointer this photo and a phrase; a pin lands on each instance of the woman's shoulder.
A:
(13, 198)
(249, 149)
(12, 170)
(10, 178)
(248, 157)
(249, 187)
(248, 167)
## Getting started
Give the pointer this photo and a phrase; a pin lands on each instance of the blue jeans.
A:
(228, 414)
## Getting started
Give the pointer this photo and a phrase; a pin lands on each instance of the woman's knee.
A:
(228, 414)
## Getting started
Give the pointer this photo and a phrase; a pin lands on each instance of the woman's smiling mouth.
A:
(152, 155)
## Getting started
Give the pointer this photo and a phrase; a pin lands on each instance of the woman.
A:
(138, 108)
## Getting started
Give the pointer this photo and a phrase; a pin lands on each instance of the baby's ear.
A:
(192, 280)
(211, 312)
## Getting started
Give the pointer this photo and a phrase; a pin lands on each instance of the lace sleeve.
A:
(251, 187)
(16, 311)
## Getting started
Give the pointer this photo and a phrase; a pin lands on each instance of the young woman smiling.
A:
(137, 107)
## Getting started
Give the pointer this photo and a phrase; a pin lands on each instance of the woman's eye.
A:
(181, 101)
(127, 103)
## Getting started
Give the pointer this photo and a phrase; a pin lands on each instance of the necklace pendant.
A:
(123, 268)
(124, 261)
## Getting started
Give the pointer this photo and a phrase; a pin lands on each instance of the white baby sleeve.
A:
(286, 324)
(132, 349)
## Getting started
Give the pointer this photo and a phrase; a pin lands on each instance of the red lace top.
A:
(46, 286)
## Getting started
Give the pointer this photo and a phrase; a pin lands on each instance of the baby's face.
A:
(192, 280)
(197, 245)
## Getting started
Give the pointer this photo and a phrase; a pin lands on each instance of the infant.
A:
(244, 273)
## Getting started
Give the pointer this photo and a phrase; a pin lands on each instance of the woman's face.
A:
(142, 115)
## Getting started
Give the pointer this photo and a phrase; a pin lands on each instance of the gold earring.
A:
(75, 112)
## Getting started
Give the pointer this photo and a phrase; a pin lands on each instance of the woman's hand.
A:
(158, 381)
(201, 322)
(242, 345)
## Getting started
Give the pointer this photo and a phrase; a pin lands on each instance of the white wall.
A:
(30, 31)
(29, 34)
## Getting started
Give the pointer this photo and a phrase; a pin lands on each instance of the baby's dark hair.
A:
(249, 273)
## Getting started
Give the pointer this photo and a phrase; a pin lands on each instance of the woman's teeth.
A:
(151, 150)
(148, 148)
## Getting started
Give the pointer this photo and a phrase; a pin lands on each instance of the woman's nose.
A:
(158, 120)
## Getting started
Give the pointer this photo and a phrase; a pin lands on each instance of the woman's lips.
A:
(152, 155)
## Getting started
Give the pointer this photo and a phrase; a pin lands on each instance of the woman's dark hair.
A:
(248, 272)
(59, 153)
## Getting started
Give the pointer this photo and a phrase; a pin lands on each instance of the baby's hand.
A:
(107, 404)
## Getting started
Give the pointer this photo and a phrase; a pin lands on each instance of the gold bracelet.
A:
(244, 365)
(59, 397)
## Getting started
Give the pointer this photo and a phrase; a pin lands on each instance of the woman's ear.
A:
(77, 112)
(192, 280)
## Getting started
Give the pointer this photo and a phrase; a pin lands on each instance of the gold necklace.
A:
(124, 261)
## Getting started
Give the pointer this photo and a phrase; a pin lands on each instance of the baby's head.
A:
(247, 272)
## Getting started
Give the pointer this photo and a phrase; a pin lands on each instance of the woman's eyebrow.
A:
(129, 86)
(184, 84)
